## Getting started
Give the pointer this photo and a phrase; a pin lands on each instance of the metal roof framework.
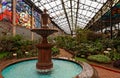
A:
(108, 19)
(70, 14)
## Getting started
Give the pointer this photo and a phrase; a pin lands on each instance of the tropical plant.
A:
(114, 55)
(55, 51)
(116, 63)
(60, 41)
(81, 35)
(16, 44)
(3, 54)
(107, 43)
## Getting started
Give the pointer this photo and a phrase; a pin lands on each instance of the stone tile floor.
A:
(103, 73)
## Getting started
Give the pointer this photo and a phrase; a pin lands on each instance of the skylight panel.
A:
(53, 14)
(89, 13)
(92, 15)
(64, 23)
(87, 2)
(84, 12)
(53, 4)
(47, 6)
(94, 4)
(67, 4)
(99, 6)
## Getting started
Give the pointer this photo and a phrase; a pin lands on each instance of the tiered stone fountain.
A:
(44, 63)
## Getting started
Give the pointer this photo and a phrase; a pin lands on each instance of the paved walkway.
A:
(64, 53)
(103, 73)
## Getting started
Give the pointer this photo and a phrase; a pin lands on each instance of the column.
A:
(118, 26)
(101, 22)
(14, 17)
(111, 32)
(32, 26)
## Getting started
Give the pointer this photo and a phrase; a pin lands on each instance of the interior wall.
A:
(6, 29)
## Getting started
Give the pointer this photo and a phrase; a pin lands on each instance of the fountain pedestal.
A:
(44, 63)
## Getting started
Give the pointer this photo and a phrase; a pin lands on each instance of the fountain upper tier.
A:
(44, 31)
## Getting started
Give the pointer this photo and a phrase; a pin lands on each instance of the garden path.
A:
(103, 73)
(64, 53)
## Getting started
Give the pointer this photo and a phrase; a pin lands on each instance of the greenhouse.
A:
(59, 39)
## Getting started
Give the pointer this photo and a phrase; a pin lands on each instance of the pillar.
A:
(111, 32)
(32, 26)
(14, 17)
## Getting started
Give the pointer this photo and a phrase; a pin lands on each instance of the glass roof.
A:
(69, 14)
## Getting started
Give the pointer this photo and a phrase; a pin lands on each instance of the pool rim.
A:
(87, 70)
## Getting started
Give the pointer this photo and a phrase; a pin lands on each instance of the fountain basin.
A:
(77, 70)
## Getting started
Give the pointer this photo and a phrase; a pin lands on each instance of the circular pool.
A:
(27, 69)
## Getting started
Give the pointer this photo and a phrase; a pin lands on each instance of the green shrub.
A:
(107, 43)
(60, 41)
(66, 42)
(82, 50)
(99, 58)
(118, 49)
(81, 35)
(55, 51)
(3, 54)
(114, 55)
(17, 44)
(116, 64)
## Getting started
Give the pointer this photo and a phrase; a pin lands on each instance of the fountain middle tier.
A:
(44, 63)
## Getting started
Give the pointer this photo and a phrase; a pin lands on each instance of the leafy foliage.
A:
(17, 44)
(117, 64)
(66, 42)
(99, 58)
(88, 43)
(81, 35)
(55, 51)
(114, 55)
(3, 54)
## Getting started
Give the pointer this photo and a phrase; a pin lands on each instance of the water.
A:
(27, 69)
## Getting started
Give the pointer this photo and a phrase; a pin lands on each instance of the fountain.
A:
(61, 67)
(44, 63)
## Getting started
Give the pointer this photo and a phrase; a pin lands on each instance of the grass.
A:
(81, 59)
(2, 54)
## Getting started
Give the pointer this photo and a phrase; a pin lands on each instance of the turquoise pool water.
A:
(27, 69)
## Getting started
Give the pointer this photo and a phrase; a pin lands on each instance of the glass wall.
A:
(37, 18)
(6, 10)
(24, 14)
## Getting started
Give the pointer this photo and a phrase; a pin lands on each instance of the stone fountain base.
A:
(44, 67)
(44, 70)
